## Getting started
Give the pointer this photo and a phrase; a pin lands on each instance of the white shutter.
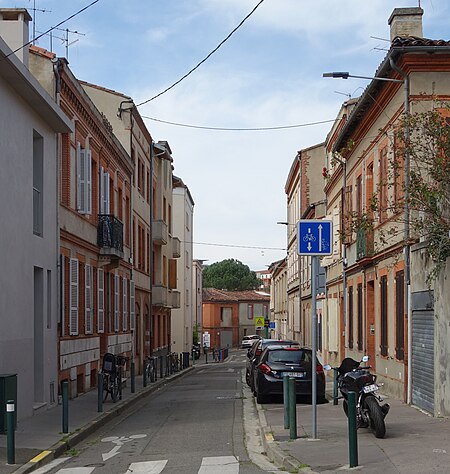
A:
(132, 303)
(125, 305)
(73, 322)
(82, 180)
(116, 302)
(78, 161)
(100, 301)
(104, 192)
(88, 299)
(88, 156)
(62, 274)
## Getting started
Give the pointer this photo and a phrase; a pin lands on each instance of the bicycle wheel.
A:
(114, 386)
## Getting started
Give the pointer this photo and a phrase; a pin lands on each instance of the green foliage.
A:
(229, 274)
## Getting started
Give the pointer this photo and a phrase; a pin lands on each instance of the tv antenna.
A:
(344, 93)
(66, 39)
(34, 10)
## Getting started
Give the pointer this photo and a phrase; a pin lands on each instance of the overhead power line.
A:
(53, 28)
(236, 129)
(205, 59)
(235, 246)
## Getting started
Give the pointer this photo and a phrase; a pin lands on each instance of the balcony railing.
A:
(364, 243)
(109, 233)
(159, 229)
(176, 247)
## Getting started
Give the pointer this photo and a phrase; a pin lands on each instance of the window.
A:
(350, 317)
(169, 223)
(100, 301)
(360, 316)
(384, 315)
(116, 302)
(125, 305)
(88, 317)
(250, 311)
(104, 191)
(359, 196)
(348, 214)
(399, 316)
(38, 183)
(383, 184)
(84, 180)
(399, 173)
(73, 322)
(132, 305)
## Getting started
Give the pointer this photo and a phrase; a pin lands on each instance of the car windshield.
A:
(289, 356)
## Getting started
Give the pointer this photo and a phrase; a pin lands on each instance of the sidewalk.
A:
(415, 443)
(39, 439)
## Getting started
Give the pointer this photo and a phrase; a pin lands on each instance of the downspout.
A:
(406, 229)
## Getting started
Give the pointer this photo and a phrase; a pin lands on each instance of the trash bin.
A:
(8, 391)
(185, 360)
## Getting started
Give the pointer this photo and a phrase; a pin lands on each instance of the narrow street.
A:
(194, 425)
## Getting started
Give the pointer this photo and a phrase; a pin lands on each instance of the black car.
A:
(277, 360)
(255, 351)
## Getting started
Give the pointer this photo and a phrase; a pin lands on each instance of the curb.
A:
(60, 448)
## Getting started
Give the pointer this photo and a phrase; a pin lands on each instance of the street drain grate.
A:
(95, 464)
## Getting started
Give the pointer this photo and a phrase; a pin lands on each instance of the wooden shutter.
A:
(360, 317)
(125, 305)
(88, 158)
(73, 322)
(132, 304)
(63, 291)
(88, 299)
(100, 301)
(79, 179)
(116, 302)
(350, 317)
(400, 316)
(384, 315)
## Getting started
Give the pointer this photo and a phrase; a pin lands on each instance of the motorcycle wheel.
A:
(376, 417)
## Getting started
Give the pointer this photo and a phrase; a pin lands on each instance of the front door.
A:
(370, 328)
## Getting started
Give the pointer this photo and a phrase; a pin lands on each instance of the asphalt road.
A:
(204, 422)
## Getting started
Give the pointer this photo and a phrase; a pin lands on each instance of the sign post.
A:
(314, 238)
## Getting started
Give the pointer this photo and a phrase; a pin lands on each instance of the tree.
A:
(229, 274)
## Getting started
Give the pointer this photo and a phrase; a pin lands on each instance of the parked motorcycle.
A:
(195, 351)
(352, 377)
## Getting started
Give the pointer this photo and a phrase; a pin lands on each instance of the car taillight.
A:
(265, 369)
(258, 352)
(319, 369)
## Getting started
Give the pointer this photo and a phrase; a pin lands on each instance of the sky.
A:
(268, 74)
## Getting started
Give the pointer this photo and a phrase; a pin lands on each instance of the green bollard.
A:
(292, 409)
(132, 375)
(352, 430)
(193, 358)
(65, 406)
(100, 392)
(335, 386)
(286, 400)
(10, 435)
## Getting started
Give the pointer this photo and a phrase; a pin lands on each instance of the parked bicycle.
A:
(112, 370)
(150, 369)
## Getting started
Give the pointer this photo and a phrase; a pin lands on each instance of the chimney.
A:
(406, 22)
(14, 30)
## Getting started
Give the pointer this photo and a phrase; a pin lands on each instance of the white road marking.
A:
(76, 470)
(222, 464)
(147, 467)
(118, 441)
(50, 465)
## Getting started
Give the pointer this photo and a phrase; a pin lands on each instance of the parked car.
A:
(297, 362)
(247, 341)
(255, 351)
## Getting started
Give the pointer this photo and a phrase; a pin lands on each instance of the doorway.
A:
(370, 327)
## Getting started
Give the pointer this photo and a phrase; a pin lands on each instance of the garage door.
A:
(422, 348)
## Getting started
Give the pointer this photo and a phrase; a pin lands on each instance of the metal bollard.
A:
(10, 435)
(144, 373)
(193, 357)
(352, 430)
(181, 362)
(100, 392)
(286, 400)
(132, 375)
(161, 370)
(335, 386)
(65, 406)
(292, 409)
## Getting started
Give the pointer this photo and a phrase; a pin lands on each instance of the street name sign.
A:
(314, 237)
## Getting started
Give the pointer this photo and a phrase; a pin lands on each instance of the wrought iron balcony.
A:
(160, 234)
(110, 235)
(364, 243)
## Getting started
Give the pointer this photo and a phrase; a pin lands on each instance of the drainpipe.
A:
(406, 229)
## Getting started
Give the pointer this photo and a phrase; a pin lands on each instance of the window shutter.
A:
(88, 299)
(102, 191)
(132, 304)
(73, 323)
(78, 166)
(82, 182)
(125, 305)
(116, 302)
(100, 301)
(336, 232)
(88, 156)
(105, 193)
(62, 318)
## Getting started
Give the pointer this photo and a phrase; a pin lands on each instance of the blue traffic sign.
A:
(314, 237)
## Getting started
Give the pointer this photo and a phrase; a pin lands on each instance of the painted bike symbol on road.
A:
(119, 441)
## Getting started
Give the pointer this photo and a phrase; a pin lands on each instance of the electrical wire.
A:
(205, 59)
(234, 246)
(53, 28)
(201, 127)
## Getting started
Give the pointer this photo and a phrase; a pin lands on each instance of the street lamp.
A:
(161, 149)
(406, 210)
